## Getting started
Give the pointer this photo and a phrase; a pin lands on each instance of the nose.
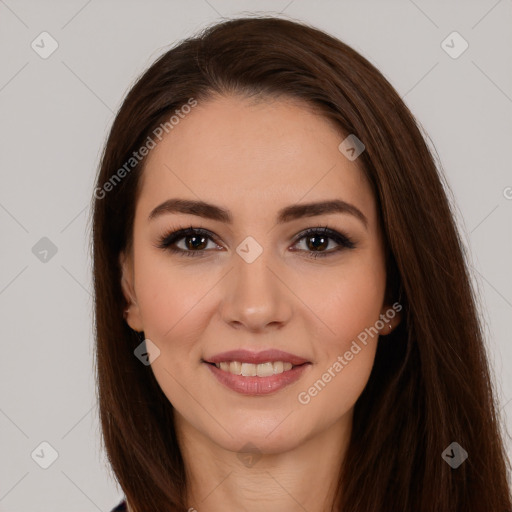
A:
(256, 296)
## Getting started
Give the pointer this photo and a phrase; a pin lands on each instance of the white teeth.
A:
(253, 370)
(249, 370)
(278, 367)
(235, 367)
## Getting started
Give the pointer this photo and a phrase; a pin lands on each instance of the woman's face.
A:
(249, 281)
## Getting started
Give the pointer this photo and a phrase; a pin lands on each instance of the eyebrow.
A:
(287, 214)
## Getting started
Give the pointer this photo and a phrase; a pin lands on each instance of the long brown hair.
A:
(431, 383)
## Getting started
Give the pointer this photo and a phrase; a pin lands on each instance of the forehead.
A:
(248, 155)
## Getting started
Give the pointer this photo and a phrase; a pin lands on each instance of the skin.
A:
(254, 158)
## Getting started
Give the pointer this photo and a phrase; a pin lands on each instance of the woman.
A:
(284, 316)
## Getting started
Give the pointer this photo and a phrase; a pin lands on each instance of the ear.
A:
(391, 316)
(132, 312)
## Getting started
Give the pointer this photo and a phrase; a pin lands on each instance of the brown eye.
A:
(195, 241)
(317, 241)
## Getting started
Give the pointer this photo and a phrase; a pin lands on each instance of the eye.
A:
(318, 239)
(195, 241)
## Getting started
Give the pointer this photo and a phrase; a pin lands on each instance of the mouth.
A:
(262, 357)
(256, 373)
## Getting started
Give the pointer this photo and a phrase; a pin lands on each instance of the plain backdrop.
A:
(55, 115)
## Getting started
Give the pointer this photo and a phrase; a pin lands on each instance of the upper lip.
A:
(247, 356)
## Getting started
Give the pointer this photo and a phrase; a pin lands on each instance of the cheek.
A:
(345, 300)
(347, 305)
(170, 297)
(172, 303)
(344, 355)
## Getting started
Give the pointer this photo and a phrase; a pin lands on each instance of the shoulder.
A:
(121, 507)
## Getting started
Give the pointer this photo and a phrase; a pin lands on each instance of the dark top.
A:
(121, 507)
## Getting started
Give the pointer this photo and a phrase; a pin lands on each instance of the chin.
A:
(247, 436)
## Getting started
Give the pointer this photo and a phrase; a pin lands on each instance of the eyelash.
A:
(167, 240)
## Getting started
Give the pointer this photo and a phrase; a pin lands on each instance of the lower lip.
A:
(258, 385)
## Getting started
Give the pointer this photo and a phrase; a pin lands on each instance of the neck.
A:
(305, 476)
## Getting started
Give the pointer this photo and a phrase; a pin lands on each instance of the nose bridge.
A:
(256, 297)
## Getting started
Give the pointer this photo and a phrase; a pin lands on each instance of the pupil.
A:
(322, 243)
(194, 245)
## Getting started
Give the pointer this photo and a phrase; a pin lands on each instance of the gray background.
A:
(55, 115)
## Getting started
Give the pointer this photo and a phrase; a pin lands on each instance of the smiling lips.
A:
(265, 356)
(256, 373)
